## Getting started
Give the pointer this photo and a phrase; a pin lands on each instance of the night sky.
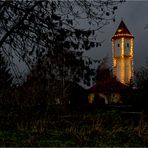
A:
(135, 16)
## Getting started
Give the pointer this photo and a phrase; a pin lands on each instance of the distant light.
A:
(119, 30)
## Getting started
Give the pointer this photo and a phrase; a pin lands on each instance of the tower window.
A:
(127, 44)
(118, 45)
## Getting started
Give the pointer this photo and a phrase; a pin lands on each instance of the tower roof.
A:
(122, 31)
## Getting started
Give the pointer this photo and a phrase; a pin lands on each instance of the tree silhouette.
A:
(141, 78)
(32, 29)
(5, 76)
(46, 36)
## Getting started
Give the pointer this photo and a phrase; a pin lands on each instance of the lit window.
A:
(119, 30)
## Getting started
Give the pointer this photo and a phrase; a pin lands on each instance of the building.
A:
(106, 89)
(109, 90)
(122, 54)
(110, 87)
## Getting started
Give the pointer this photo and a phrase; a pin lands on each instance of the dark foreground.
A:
(99, 128)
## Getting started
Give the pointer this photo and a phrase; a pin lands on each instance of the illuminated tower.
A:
(122, 54)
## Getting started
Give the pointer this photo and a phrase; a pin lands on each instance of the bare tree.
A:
(28, 27)
(47, 35)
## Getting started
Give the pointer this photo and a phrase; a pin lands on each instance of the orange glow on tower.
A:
(122, 54)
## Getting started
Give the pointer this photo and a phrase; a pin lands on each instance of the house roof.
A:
(109, 85)
(122, 31)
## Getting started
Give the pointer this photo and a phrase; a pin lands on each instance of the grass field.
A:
(109, 128)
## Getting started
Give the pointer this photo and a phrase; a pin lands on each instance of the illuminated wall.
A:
(122, 55)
